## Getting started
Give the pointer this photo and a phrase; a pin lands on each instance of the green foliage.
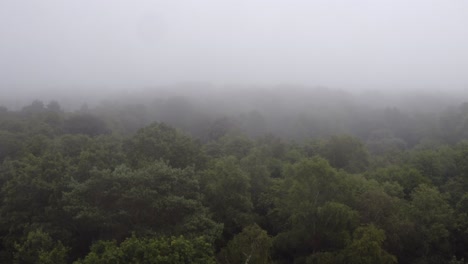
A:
(366, 247)
(345, 152)
(252, 245)
(407, 177)
(433, 217)
(10, 145)
(227, 193)
(221, 127)
(155, 199)
(160, 250)
(32, 195)
(102, 152)
(315, 221)
(309, 182)
(38, 247)
(237, 146)
(461, 227)
(154, 194)
(162, 142)
(383, 142)
(85, 124)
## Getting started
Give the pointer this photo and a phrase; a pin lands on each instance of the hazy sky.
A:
(348, 43)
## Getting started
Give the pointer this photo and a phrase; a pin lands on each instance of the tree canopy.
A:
(109, 185)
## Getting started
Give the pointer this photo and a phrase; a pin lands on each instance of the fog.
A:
(234, 131)
(107, 45)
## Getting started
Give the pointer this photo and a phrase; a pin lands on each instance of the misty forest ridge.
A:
(311, 177)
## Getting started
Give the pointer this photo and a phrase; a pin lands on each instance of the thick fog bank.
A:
(236, 98)
(113, 45)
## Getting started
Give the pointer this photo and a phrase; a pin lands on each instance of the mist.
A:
(102, 47)
(248, 131)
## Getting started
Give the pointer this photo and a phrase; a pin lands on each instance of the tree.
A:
(227, 194)
(314, 220)
(251, 246)
(256, 165)
(366, 248)
(85, 124)
(160, 141)
(238, 146)
(35, 107)
(221, 127)
(38, 247)
(101, 153)
(156, 199)
(54, 106)
(346, 152)
(433, 218)
(32, 197)
(157, 250)
(461, 231)
(10, 145)
(383, 142)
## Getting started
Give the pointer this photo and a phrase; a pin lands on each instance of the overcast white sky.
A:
(343, 44)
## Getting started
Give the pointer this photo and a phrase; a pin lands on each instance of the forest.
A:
(316, 177)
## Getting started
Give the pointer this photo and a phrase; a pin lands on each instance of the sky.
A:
(125, 44)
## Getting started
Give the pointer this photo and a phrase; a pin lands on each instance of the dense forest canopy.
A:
(308, 176)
